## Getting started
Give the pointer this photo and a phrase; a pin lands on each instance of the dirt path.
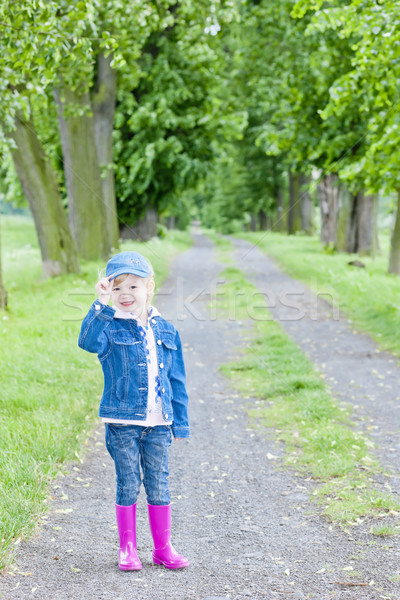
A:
(248, 528)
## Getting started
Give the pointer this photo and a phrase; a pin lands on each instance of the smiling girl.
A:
(144, 400)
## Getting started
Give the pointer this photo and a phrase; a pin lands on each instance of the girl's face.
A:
(131, 294)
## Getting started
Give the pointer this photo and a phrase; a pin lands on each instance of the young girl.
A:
(144, 399)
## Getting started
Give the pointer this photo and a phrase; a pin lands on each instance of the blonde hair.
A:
(150, 290)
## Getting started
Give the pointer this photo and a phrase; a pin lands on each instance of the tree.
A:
(169, 114)
(329, 197)
(86, 99)
(293, 73)
(40, 186)
(61, 45)
(27, 38)
(394, 261)
(157, 59)
(87, 214)
(362, 235)
(104, 97)
(368, 88)
(245, 185)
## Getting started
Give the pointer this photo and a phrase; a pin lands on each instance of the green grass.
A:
(223, 246)
(290, 396)
(384, 530)
(50, 389)
(369, 297)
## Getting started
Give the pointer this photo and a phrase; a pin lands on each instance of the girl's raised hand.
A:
(104, 288)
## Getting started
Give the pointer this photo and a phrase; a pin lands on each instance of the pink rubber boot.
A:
(160, 527)
(126, 521)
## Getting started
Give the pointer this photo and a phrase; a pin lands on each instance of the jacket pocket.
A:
(126, 348)
(168, 340)
(168, 347)
(123, 337)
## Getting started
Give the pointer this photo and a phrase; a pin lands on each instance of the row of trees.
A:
(108, 112)
(319, 82)
(115, 113)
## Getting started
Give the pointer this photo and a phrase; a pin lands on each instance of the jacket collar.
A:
(120, 314)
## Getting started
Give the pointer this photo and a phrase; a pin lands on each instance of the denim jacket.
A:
(119, 346)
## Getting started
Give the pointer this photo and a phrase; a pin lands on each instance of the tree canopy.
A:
(227, 105)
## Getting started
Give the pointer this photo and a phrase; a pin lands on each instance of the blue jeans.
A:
(132, 445)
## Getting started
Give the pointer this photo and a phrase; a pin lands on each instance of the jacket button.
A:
(166, 416)
(161, 365)
(97, 307)
(153, 321)
(159, 342)
(163, 390)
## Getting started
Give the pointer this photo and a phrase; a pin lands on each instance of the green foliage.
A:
(169, 115)
(10, 186)
(319, 83)
(243, 180)
(168, 59)
(368, 87)
(303, 63)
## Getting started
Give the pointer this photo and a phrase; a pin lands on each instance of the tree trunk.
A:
(279, 198)
(40, 186)
(263, 220)
(253, 222)
(294, 217)
(329, 198)
(145, 228)
(394, 261)
(103, 102)
(362, 227)
(170, 222)
(376, 244)
(343, 220)
(3, 294)
(87, 213)
(306, 205)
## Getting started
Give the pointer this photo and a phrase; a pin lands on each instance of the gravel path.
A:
(248, 528)
(353, 366)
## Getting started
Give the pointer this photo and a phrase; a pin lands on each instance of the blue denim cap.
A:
(128, 262)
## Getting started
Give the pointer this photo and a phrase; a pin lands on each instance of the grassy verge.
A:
(369, 296)
(50, 388)
(222, 244)
(290, 396)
